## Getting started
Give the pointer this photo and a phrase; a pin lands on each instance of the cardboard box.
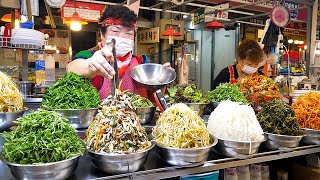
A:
(301, 172)
(15, 4)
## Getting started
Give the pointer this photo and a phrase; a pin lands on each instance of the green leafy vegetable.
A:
(71, 92)
(138, 101)
(41, 137)
(277, 117)
(186, 93)
(227, 91)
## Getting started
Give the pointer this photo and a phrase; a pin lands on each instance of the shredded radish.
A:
(235, 122)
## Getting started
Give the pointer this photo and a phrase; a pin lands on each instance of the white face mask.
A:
(249, 70)
(123, 45)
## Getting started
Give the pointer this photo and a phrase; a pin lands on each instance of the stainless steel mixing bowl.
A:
(237, 149)
(6, 119)
(197, 107)
(146, 114)
(312, 136)
(277, 141)
(185, 156)
(56, 170)
(119, 163)
(78, 118)
(154, 76)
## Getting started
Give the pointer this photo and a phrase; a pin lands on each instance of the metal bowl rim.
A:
(86, 109)
(146, 107)
(152, 64)
(265, 138)
(307, 129)
(215, 142)
(114, 155)
(196, 103)
(283, 135)
(37, 165)
(47, 108)
(17, 112)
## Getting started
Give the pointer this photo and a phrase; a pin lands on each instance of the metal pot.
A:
(6, 119)
(119, 163)
(145, 114)
(277, 141)
(312, 136)
(26, 89)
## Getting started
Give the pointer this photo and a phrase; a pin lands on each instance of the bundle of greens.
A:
(277, 117)
(71, 92)
(41, 137)
(227, 91)
(138, 101)
(186, 93)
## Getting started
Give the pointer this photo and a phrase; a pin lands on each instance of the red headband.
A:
(111, 21)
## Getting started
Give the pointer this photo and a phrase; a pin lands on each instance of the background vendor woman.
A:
(249, 59)
(117, 22)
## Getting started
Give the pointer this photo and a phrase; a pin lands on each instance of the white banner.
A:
(223, 14)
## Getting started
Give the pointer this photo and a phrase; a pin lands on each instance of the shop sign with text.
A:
(89, 11)
(148, 35)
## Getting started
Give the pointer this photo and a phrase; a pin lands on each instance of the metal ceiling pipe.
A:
(159, 4)
(174, 6)
(240, 6)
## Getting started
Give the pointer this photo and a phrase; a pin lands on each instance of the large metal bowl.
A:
(145, 114)
(197, 107)
(312, 136)
(185, 156)
(236, 148)
(277, 141)
(78, 118)
(119, 163)
(56, 170)
(155, 76)
(6, 119)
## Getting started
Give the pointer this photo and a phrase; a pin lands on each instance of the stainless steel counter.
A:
(154, 168)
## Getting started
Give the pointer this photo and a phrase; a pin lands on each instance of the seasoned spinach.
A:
(227, 91)
(41, 137)
(71, 92)
(277, 117)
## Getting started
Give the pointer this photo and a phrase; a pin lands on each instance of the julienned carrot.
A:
(307, 110)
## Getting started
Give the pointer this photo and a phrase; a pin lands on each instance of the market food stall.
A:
(183, 129)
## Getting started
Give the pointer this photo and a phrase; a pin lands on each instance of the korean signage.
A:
(290, 5)
(297, 25)
(88, 11)
(198, 17)
(256, 21)
(294, 31)
(218, 14)
(148, 35)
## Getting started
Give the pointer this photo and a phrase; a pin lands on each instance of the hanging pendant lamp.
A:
(75, 22)
(171, 32)
(7, 17)
(213, 25)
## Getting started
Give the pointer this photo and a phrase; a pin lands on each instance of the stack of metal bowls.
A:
(78, 118)
(56, 170)
(237, 148)
(197, 107)
(312, 137)
(7, 118)
(185, 156)
(119, 163)
(277, 141)
(146, 114)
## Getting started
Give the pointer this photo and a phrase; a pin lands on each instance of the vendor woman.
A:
(249, 59)
(117, 22)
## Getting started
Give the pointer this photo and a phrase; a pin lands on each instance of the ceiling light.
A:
(301, 42)
(185, 16)
(305, 47)
(290, 41)
(296, 42)
(75, 26)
